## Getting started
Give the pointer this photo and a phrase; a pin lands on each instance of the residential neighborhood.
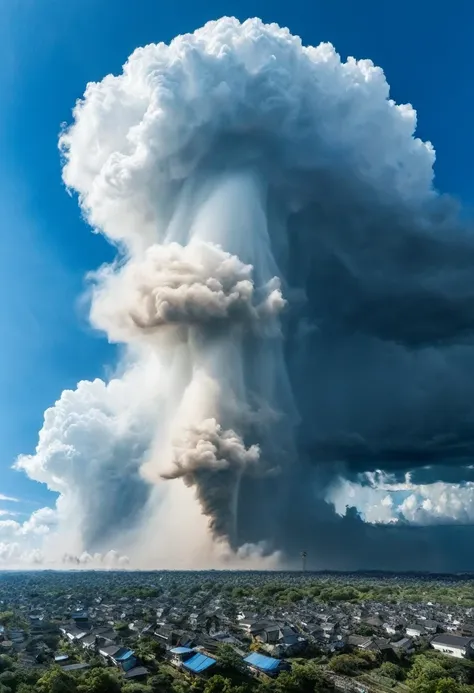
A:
(192, 627)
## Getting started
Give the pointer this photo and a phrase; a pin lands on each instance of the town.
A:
(154, 632)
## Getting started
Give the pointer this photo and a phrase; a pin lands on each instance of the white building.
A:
(415, 631)
(453, 645)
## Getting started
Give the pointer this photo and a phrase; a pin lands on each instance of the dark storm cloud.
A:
(381, 373)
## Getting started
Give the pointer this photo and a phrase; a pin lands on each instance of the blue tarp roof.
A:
(123, 654)
(129, 663)
(262, 662)
(181, 650)
(198, 663)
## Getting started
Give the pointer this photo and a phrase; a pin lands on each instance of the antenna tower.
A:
(304, 556)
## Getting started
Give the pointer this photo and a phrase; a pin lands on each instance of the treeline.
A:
(327, 591)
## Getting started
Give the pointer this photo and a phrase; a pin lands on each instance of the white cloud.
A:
(375, 504)
(22, 542)
(131, 139)
(380, 499)
(89, 451)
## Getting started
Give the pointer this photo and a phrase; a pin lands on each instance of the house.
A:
(124, 658)
(430, 626)
(137, 626)
(109, 651)
(179, 654)
(105, 636)
(246, 616)
(453, 645)
(313, 629)
(196, 619)
(225, 637)
(76, 667)
(136, 673)
(393, 627)
(161, 612)
(266, 633)
(415, 631)
(405, 645)
(88, 642)
(362, 642)
(208, 643)
(199, 663)
(251, 626)
(328, 629)
(17, 635)
(80, 617)
(369, 643)
(73, 633)
(269, 666)
(375, 621)
(169, 637)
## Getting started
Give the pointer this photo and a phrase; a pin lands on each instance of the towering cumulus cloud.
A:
(297, 307)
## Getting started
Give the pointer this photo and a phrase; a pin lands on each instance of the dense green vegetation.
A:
(329, 589)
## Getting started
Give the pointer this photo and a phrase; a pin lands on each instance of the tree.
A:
(7, 618)
(6, 663)
(26, 688)
(228, 660)
(56, 681)
(121, 627)
(135, 688)
(425, 673)
(218, 684)
(365, 629)
(9, 679)
(160, 683)
(100, 681)
(179, 686)
(345, 664)
(447, 685)
(392, 671)
(303, 678)
(149, 649)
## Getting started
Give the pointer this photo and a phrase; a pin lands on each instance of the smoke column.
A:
(278, 236)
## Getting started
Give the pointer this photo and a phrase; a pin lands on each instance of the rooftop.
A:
(452, 640)
(76, 667)
(136, 672)
(262, 662)
(181, 650)
(123, 654)
(199, 663)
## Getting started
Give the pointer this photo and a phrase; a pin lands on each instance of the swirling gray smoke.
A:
(288, 262)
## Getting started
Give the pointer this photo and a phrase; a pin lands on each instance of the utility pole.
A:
(304, 555)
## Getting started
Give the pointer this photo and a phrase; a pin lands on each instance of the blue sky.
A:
(49, 50)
